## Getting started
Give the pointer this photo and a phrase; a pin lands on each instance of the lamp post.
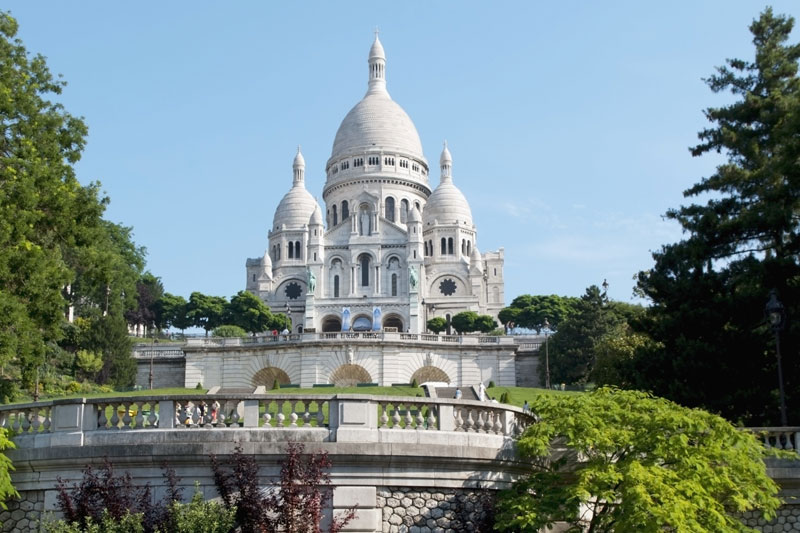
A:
(546, 354)
(289, 316)
(152, 353)
(777, 320)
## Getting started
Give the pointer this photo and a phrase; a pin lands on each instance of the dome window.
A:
(415, 167)
(297, 254)
(403, 163)
(444, 246)
(358, 162)
(345, 210)
(335, 216)
(374, 160)
(388, 161)
(344, 165)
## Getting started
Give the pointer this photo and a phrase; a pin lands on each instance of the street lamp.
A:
(546, 354)
(776, 316)
(289, 315)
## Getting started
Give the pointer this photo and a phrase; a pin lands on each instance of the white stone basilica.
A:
(388, 252)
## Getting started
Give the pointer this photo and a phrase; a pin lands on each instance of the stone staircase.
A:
(467, 393)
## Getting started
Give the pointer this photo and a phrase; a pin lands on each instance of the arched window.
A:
(254, 277)
(469, 248)
(364, 270)
(444, 246)
(394, 284)
(297, 254)
(430, 248)
(279, 251)
(403, 210)
(416, 204)
(335, 218)
(335, 286)
(291, 249)
(345, 210)
(390, 208)
(426, 248)
(450, 246)
(463, 247)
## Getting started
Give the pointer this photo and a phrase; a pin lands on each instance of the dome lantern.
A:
(446, 163)
(377, 67)
(298, 169)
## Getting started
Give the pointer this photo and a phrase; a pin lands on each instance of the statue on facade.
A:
(364, 223)
(311, 281)
(413, 277)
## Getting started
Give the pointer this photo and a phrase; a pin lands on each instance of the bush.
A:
(200, 516)
(128, 523)
(491, 385)
(276, 385)
(414, 383)
(505, 397)
(199, 386)
(229, 331)
(9, 390)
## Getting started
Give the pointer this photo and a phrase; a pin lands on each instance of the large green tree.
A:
(56, 249)
(247, 311)
(708, 291)
(205, 311)
(531, 312)
(620, 461)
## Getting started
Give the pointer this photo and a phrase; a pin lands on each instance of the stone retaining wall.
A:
(426, 510)
(788, 519)
(23, 514)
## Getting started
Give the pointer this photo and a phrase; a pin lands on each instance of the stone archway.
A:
(393, 321)
(430, 373)
(331, 324)
(267, 377)
(350, 375)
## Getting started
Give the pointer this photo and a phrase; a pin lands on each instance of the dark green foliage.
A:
(149, 291)
(530, 312)
(464, 322)
(108, 336)
(484, 323)
(206, 312)
(491, 385)
(414, 383)
(505, 397)
(708, 291)
(247, 311)
(280, 322)
(437, 324)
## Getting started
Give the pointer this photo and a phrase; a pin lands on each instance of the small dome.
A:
(316, 217)
(297, 206)
(299, 160)
(376, 52)
(475, 260)
(266, 261)
(414, 215)
(447, 204)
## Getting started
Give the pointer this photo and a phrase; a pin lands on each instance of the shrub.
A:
(505, 397)
(296, 506)
(128, 523)
(229, 331)
(200, 516)
(199, 386)
(491, 385)
(276, 384)
(414, 383)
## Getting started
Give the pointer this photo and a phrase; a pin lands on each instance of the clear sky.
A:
(569, 122)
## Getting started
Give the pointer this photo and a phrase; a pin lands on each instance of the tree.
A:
(572, 348)
(484, 323)
(149, 291)
(623, 461)
(108, 336)
(206, 311)
(171, 311)
(247, 311)
(708, 291)
(6, 488)
(437, 324)
(464, 322)
(530, 312)
(615, 356)
(280, 322)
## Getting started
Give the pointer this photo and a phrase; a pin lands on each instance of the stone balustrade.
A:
(67, 422)
(782, 438)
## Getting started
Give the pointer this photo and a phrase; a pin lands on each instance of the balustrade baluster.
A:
(126, 415)
(320, 414)
(114, 416)
(16, 424)
(396, 417)
(488, 422)
(280, 417)
(36, 422)
(469, 423)
(102, 420)
(293, 415)
(47, 421)
(420, 417)
(151, 418)
(235, 414)
(431, 417)
(459, 420)
(26, 423)
(408, 418)
(498, 423)
(307, 413)
(180, 414)
(384, 417)
(139, 415)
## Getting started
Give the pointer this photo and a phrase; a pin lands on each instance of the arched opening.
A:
(297, 254)
(331, 324)
(450, 246)
(335, 286)
(268, 376)
(345, 210)
(394, 284)
(364, 261)
(430, 373)
(335, 218)
(393, 321)
(362, 323)
(444, 246)
(291, 249)
(404, 211)
(350, 375)
(426, 248)
(463, 247)
(390, 208)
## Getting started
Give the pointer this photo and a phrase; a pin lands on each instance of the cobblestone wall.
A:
(22, 515)
(788, 519)
(407, 510)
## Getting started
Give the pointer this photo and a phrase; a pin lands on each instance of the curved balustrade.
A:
(782, 438)
(27, 418)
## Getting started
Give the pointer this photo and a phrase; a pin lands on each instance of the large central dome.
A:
(377, 123)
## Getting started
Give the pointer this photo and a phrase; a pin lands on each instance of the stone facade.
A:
(788, 519)
(388, 250)
(23, 514)
(425, 510)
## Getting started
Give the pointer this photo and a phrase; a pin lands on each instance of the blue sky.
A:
(569, 122)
